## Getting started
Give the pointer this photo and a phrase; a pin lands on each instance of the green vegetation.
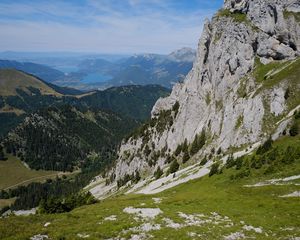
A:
(207, 98)
(14, 173)
(173, 167)
(238, 17)
(273, 73)
(162, 121)
(219, 105)
(267, 145)
(239, 122)
(198, 143)
(242, 91)
(60, 205)
(132, 101)
(22, 94)
(158, 173)
(6, 203)
(175, 108)
(11, 80)
(294, 129)
(262, 72)
(214, 169)
(27, 197)
(217, 38)
(134, 178)
(269, 158)
(287, 14)
(260, 207)
(61, 138)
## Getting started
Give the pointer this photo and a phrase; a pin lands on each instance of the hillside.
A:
(13, 80)
(218, 207)
(44, 72)
(61, 138)
(22, 94)
(14, 173)
(132, 101)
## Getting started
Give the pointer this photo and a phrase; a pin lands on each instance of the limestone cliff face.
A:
(222, 94)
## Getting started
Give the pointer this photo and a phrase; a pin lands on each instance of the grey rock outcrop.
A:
(221, 95)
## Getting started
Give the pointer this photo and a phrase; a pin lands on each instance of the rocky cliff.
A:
(243, 88)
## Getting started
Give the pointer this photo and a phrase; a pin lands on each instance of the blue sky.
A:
(103, 26)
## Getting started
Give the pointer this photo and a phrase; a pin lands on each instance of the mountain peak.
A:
(183, 55)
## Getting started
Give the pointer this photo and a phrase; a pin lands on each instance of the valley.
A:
(14, 173)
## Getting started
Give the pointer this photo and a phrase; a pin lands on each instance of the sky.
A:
(103, 26)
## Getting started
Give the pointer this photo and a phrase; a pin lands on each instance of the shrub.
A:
(287, 93)
(230, 161)
(147, 151)
(214, 169)
(242, 174)
(239, 163)
(173, 167)
(60, 205)
(2, 156)
(265, 147)
(178, 150)
(198, 143)
(175, 108)
(294, 130)
(203, 161)
(185, 157)
(158, 173)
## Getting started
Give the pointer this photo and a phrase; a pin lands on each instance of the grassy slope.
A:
(13, 172)
(260, 207)
(11, 79)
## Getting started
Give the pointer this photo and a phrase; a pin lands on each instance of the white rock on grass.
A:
(147, 227)
(251, 228)
(293, 194)
(111, 218)
(143, 212)
(191, 220)
(141, 236)
(171, 224)
(25, 212)
(157, 200)
(39, 237)
(278, 181)
(83, 235)
(47, 224)
(235, 236)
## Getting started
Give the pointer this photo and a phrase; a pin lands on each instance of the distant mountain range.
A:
(44, 72)
(91, 72)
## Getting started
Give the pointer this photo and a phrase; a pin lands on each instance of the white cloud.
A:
(104, 27)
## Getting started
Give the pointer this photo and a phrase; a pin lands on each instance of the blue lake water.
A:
(95, 78)
(67, 69)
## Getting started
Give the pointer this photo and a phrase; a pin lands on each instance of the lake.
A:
(95, 78)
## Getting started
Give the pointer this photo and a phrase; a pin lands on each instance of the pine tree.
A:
(186, 157)
(174, 167)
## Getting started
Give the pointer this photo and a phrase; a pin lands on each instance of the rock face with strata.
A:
(221, 95)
